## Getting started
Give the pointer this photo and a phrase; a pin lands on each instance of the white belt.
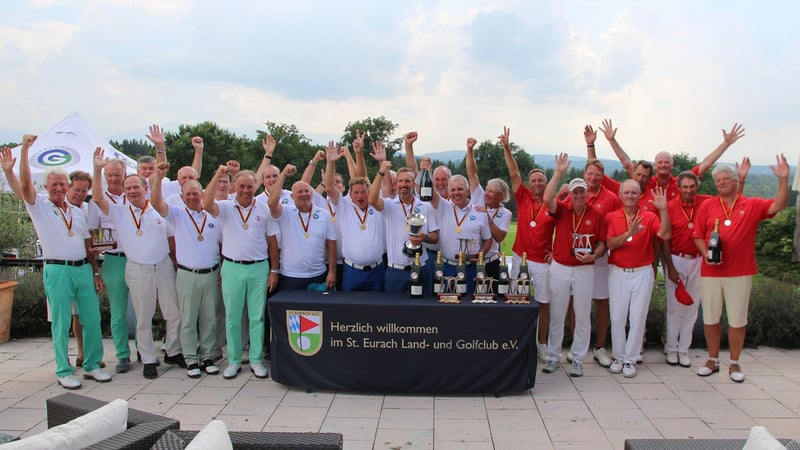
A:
(399, 266)
(492, 258)
(362, 267)
(686, 255)
(633, 269)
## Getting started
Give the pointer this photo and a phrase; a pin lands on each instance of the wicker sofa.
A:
(696, 444)
(177, 440)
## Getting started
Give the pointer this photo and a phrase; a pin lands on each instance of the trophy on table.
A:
(484, 290)
(449, 291)
(414, 223)
(103, 239)
(519, 293)
(581, 243)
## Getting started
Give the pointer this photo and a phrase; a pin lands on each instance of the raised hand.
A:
(7, 162)
(636, 225)
(379, 151)
(320, 155)
(98, 158)
(28, 140)
(358, 142)
(471, 143)
(289, 170)
(162, 168)
(156, 136)
(732, 136)
(386, 166)
(233, 167)
(608, 129)
(743, 169)
(659, 197)
(224, 169)
(268, 143)
(781, 170)
(589, 135)
(197, 143)
(425, 163)
(562, 163)
(332, 151)
(410, 138)
(504, 138)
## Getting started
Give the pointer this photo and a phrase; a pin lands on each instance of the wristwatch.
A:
(275, 271)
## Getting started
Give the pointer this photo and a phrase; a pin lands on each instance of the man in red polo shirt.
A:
(738, 217)
(631, 236)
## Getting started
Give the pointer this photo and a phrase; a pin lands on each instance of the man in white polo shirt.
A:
(68, 269)
(197, 240)
(246, 225)
(143, 233)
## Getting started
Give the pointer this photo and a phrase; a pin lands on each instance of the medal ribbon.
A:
(580, 220)
(201, 227)
(728, 212)
(363, 220)
(138, 223)
(246, 218)
(411, 209)
(459, 222)
(333, 213)
(306, 223)
(690, 215)
(534, 216)
(64, 219)
(628, 220)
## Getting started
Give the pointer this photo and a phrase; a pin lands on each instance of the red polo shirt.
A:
(604, 201)
(738, 239)
(681, 217)
(568, 223)
(645, 199)
(672, 184)
(638, 251)
(534, 240)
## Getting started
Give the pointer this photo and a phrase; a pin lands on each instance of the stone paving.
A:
(597, 411)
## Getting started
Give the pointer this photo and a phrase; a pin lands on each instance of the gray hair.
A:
(54, 171)
(457, 178)
(688, 174)
(724, 168)
(502, 186)
(629, 181)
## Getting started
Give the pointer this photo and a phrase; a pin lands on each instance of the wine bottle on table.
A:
(523, 275)
(461, 275)
(502, 283)
(426, 186)
(415, 277)
(438, 273)
(714, 255)
(480, 269)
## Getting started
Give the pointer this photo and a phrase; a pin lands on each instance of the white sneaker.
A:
(259, 370)
(684, 360)
(541, 353)
(570, 356)
(629, 370)
(577, 369)
(602, 358)
(69, 382)
(672, 358)
(616, 366)
(639, 358)
(97, 375)
(231, 371)
(551, 366)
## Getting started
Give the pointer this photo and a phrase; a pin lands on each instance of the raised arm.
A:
(233, 169)
(209, 194)
(590, 136)
(268, 144)
(549, 198)
(728, 139)
(358, 149)
(156, 136)
(98, 198)
(197, 162)
(660, 202)
(611, 135)
(308, 173)
(352, 171)
(7, 162)
(472, 167)
(156, 199)
(741, 171)
(375, 198)
(25, 178)
(275, 207)
(329, 179)
(511, 163)
(781, 170)
(408, 143)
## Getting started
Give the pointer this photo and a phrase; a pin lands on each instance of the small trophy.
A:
(103, 239)
(415, 222)
(519, 293)
(484, 290)
(449, 291)
(581, 243)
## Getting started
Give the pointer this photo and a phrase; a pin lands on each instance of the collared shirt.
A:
(645, 198)
(534, 226)
(681, 219)
(99, 220)
(245, 243)
(189, 225)
(638, 251)
(462, 229)
(363, 232)
(53, 226)
(672, 185)
(576, 231)
(394, 217)
(499, 216)
(304, 239)
(148, 247)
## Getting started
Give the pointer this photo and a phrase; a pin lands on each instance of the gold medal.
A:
(200, 237)
(245, 226)
(363, 227)
(305, 235)
(138, 232)
(70, 233)
(458, 229)
(407, 228)
(333, 219)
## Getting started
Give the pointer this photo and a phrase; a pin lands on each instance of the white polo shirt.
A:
(250, 243)
(303, 237)
(473, 226)
(394, 218)
(500, 216)
(99, 220)
(188, 224)
(148, 247)
(363, 232)
(51, 224)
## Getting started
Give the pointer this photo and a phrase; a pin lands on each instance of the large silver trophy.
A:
(414, 222)
(103, 239)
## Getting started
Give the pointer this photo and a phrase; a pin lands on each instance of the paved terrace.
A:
(595, 412)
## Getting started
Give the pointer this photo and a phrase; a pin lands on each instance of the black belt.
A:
(242, 262)
(62, 262)
(120, 254)
(199, 271)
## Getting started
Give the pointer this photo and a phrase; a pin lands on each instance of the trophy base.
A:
(586, 251)
(104, 247)
(518, 299)
(449, 298)
(483, 298)
(411, 251)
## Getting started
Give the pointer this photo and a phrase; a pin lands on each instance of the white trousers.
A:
(681, 318)
(563, 280)
(629, 300)
(151, 282)
(538, 274)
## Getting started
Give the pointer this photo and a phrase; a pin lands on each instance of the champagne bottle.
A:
(426, 186)
(461, 275)
(438, 273)
(480, 269)
(523, 275)
(415, 277)
(714, 255)
(502, 283)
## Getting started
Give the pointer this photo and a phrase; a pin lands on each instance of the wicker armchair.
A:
(258, 440)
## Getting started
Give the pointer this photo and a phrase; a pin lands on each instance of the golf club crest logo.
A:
(61, 156)
(305, 331)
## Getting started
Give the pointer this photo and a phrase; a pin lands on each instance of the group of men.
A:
(593, 238)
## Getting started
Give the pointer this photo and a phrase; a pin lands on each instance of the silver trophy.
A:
(581, 243)
(415, 222)
(103, 239)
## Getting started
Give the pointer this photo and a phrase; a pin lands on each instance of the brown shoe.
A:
(735, 372)
(708, 369)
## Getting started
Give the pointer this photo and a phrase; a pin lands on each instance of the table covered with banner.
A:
(381, 342)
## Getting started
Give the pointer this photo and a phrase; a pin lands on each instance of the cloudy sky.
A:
(670, 75)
